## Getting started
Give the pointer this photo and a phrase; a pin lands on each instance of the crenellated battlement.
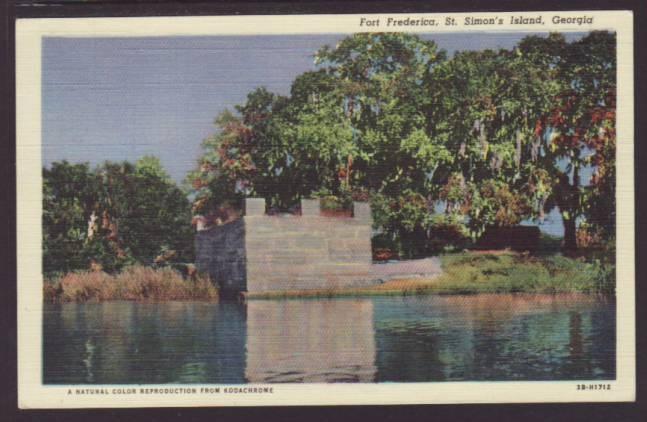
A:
(311, 251)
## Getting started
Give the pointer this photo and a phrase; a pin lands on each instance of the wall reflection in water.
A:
(310, 341)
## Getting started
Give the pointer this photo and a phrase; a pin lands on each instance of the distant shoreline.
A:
(463, 273)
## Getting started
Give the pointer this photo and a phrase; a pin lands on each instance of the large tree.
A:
(340, 130)
(69, 195)
(116, 214)
(495, 136)
(578, 131)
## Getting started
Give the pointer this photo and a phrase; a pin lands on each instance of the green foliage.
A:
(448, 233)
(115, 215)
(492, 203)
(579, 129)
(69, 192)
(410, 229)
(328, 201)
(405, 220)
(150, 167)
(514, 273)
(498, 136)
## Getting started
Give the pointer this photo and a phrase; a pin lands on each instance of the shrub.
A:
(447, 233)
(329, 201)
(335, 203)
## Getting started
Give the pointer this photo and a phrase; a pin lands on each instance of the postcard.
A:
(325, 209)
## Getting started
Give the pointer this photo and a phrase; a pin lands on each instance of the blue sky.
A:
(122, 98)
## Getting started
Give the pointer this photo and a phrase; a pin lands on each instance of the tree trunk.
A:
(570, 239)
(570, 227)
(568, 198)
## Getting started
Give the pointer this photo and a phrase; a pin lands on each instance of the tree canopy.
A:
(485, 138)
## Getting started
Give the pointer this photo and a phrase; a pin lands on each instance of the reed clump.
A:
(137, 283)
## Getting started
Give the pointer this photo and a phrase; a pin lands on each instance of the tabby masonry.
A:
(270, 253)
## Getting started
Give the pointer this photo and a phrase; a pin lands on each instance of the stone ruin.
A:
(272, 253)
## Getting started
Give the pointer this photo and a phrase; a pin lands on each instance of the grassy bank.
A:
(134, 283)
(463, 273)
(470, 273)
(519, 273)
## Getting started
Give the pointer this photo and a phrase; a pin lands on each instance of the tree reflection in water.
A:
(381, 339)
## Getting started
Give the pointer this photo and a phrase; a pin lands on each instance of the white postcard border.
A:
(33, 394)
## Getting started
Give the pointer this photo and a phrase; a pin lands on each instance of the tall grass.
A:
(133, 283)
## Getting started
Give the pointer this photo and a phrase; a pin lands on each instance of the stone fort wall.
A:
(220, 252)
(263, 253)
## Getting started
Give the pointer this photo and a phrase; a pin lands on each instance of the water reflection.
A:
(145, 343)
(495, 337)
(407, 339)
(310, 341)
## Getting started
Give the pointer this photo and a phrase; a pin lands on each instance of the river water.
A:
(380, 339)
